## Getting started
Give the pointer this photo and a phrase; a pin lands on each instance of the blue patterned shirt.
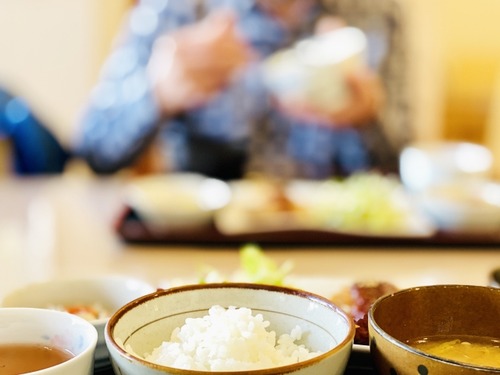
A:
(237, 132)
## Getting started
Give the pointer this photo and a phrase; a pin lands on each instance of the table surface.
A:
(63, 227)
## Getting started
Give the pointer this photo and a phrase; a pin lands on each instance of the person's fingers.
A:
(365, 101)
(212, 47)
(197, 61)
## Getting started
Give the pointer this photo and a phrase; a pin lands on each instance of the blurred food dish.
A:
(363, 204)
(177, 201)
(423, 165)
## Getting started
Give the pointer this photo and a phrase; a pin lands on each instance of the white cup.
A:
(51, 328)
(424, 165)
(313, 71)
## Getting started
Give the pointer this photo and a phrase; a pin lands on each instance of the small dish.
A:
(464, 208)
(426, 164)
(176, 201)
(73, 336)
(103, 294)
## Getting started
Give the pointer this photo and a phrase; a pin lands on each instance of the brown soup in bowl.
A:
(23, 358)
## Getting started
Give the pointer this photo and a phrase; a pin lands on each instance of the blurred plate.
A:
(363, 205)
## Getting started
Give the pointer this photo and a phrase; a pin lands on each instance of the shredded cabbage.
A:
(255, 267)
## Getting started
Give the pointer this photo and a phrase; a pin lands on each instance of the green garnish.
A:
(255, 267)
(258, 268)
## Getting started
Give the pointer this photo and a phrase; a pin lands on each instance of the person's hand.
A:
(194, 63)
(365, 102)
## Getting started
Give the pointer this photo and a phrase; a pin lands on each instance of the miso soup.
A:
(21, 358)
(473, 350)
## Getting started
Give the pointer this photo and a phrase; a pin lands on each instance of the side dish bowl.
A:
(176, 201)
(56, 330)
(103, 294)
(465, 208)
(446, 315)
(144, 324)
(426, 164)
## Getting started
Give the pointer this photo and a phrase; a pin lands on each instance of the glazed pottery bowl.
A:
(50, 329)
(144, 324)
(449, 311)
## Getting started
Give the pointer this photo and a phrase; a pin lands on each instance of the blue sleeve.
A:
(35, 150)
(122, 116)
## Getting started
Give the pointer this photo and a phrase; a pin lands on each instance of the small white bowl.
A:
(145, 323)
(426, 164)
(108, 292)
(52, 329)
(464, 208)
(176, 201)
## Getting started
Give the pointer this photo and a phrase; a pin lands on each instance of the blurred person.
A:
(183, 91)
(34, 149)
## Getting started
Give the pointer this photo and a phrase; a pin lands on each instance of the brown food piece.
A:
(365, 294)
(357, 299)
(361, 336)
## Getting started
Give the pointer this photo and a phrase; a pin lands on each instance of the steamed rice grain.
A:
(229, 339)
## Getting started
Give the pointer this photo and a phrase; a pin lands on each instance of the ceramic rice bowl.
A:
(142, 325)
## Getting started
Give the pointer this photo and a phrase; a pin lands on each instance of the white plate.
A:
(258, 206)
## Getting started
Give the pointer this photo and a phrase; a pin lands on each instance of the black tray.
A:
(131, 229)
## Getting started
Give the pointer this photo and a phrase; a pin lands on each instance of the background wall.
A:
(456, 70)
(52, 51)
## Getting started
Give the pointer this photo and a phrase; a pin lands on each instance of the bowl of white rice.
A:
(230, 328)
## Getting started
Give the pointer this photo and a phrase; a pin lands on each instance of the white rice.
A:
(229, 340)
